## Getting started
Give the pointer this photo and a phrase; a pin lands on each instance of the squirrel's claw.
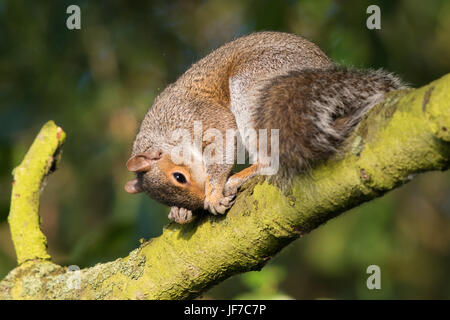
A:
(218, 205)
(227, 201)
(180, 215)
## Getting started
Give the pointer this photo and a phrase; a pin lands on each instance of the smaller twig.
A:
(24, 222)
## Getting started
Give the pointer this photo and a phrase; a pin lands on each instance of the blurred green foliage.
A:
(98, 82)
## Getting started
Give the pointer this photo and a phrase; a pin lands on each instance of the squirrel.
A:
(265, 80)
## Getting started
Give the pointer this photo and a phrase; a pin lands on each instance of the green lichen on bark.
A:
(404, 135)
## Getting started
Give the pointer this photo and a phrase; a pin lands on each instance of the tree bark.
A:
(406, 134)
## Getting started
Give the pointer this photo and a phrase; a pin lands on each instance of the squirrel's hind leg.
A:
(235, 181)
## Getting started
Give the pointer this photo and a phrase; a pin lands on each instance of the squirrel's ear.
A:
(143, 161)
(133, 186)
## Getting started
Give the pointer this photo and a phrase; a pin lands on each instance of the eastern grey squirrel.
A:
(265, 80)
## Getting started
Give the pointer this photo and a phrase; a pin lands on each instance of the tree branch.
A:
(406, 134)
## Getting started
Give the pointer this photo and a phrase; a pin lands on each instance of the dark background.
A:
(98, 82)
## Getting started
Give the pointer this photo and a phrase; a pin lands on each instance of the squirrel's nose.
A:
(133, 186)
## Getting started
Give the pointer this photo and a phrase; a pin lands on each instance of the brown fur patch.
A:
(245, 173)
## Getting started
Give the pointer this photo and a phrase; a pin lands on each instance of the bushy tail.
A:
(316, 109)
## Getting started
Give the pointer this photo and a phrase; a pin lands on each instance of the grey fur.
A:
(321, 106)
(263, 80)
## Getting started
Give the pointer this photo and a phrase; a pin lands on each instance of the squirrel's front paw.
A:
(180, 215)
(216, 203)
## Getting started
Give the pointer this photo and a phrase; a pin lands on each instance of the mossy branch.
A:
(408, 133)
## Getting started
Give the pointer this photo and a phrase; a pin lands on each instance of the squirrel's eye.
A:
(179, 177)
